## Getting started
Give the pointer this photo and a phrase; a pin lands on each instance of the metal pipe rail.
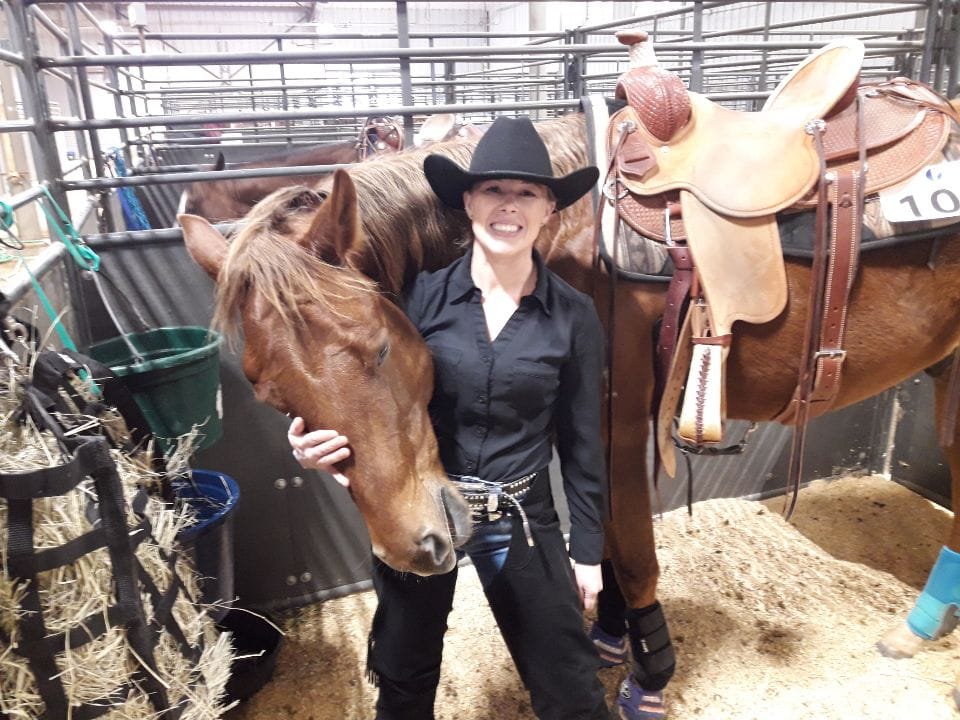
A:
(292, 89)
(27, 196)
(464, 54)
(189, 177)
(18, 126)
(692, 9)
(303, 35)
(12, 58)
(103, 124)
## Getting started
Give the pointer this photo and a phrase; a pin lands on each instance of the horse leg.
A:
(630, 544)
(935, 612)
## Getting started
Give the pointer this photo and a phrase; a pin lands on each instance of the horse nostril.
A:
(434, 547)
(458, 515)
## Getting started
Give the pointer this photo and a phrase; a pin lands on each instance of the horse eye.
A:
(382, 355)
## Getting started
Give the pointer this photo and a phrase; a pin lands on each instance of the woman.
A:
(518, 357)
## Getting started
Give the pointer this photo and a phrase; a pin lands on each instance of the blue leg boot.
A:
(934, 614)
(635, 703)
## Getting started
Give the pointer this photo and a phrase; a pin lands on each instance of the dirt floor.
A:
(771, 621)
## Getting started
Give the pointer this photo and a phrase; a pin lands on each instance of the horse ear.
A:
(221, 162)
(204, 242)
(335, 230)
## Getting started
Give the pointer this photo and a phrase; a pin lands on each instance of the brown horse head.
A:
(216, 201)
(321, 342)
(226, 199)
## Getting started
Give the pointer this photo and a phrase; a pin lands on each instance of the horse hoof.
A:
(900, 642)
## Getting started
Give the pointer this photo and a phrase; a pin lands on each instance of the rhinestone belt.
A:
(489, 500)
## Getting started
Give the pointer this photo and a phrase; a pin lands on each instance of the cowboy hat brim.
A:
(449, 181)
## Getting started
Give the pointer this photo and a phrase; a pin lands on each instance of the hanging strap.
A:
(52, 370)
(81, 253)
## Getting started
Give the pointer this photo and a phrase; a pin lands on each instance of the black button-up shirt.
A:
(497, 405)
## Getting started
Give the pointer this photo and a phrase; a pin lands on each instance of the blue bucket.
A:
(212, 496)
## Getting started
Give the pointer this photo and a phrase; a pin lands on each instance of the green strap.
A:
(48, 306)
(81, 253)
(6, 215)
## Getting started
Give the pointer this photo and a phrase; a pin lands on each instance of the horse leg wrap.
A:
(932, 615)
(653, 658)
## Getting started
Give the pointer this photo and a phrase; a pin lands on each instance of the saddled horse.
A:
(904, 316)
(442, 127)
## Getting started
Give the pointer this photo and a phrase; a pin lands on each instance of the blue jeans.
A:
(488, 546)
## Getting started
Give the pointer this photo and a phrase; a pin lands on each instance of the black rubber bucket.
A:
(213, 497)
(256, 644)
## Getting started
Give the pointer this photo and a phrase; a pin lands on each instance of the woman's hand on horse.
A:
(318, 449)
(589, 583)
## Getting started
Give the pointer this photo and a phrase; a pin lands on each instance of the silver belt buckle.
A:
(493, 502)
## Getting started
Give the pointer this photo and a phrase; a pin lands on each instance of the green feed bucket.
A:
(177, 383)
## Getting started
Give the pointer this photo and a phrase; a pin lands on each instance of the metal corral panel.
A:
(27, 306)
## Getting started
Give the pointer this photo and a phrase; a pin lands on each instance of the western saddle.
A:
(708, 182)
(379, 135)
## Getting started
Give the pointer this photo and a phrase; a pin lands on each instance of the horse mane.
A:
(395, 201)
(286, 276)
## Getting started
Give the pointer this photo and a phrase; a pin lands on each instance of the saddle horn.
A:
(658, 96)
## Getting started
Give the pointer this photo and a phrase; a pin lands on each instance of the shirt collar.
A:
(462, 287)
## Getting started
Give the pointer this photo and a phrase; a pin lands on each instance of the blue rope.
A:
(133, 214)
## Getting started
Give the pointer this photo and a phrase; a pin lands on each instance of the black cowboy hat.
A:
(510, 148)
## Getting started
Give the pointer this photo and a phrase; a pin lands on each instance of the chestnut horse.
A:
(324, 344)
(904, 316)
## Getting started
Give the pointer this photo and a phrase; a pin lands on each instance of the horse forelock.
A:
(284, 275)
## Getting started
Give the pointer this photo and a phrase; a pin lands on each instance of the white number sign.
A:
(931, 194)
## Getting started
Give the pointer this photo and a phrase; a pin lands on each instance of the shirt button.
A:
(481, 398)
(470, 466)
(485, 358)
(478, 430)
